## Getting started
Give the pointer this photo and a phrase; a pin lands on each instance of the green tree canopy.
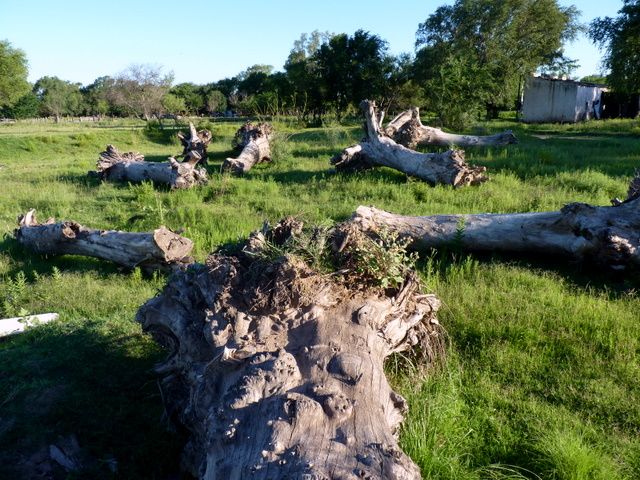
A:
(58, 97)
(620, 38)
(498, 42)
(13, 74)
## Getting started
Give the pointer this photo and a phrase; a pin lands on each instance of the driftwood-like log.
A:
(377, 149)
(131, 167)
(407, 129)
(608, 236)
(160, 249)
(276, 371)
(254, 142)
(197, 142)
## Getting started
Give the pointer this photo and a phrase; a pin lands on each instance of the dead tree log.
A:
(131, 167)
(197, 142)
(608, 236)
(160, 249)
(276, 371)
(407, 129)
(254, 142)
(377, 149)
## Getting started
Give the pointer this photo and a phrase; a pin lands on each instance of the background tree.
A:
(353, 68)
(13, 74)
(620, 39)
(58, 97)
(497, 43)
(27, 106)
(96, 96)
(140, 89)
(216, 102)
(193, 96)
(173, 104)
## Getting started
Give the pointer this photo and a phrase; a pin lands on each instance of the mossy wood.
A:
(276, 370)
(160, 249)
(377, 149)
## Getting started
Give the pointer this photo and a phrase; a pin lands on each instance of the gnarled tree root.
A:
(276, 370)
(160, 249)
(377, 149)
(131, 167)
(407, 129)
(197, 142)
(253, 140)
(609, 236)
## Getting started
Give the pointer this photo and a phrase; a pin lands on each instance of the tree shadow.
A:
(72, 377)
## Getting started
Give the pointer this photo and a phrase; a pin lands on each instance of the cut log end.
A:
(271, 366)
(254, 140)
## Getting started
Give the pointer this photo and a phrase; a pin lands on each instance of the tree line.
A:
(471, 59)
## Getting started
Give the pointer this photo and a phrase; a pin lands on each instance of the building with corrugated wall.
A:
(555, 100)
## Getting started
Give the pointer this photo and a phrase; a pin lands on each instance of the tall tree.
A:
(193, 96)
(140, 89)
(96, 96)
(620, 39)
(58, 97)
(13, 74)
(354, 68)
(493, 44)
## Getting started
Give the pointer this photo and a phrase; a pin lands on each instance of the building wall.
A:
(548, 100)
(588, 103)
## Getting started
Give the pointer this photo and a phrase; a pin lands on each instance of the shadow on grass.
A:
(74, 377)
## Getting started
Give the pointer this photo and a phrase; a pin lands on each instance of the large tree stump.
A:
(197, 142)
(276, 370)
(160, 249)
(131, 167)
(378, 149)
(407, 129)
(610, 236)
(253, 140)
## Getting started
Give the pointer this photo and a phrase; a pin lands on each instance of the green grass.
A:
(542, 375)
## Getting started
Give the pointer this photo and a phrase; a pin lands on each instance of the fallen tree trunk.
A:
(610, 236)
(407, 129)
(276, 371)
(131, 167)
(254, 142)
(197, 142)
(160, 249)
(378, 149)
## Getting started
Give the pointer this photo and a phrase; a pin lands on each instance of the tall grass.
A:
(542, 374)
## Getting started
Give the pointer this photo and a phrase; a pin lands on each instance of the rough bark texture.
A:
(160, 249)
(378, 149)
(197, 142)
(254, 142)
(610, 236)
(131, 167)
(407, 129)
(276, 371)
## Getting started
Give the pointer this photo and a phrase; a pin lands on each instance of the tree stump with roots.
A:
(276, 369)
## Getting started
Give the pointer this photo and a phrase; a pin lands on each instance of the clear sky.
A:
(201, 42)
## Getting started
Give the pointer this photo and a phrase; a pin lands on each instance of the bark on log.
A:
(197, 141)
(131, 167)
(407, 129)
(609, 236)
(276, 371)
(160, 249)
(378, 149)
(254, 142)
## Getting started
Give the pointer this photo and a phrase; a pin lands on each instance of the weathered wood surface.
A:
(160, 249)
(407, 129)
(276, 371)
(609, 236)
(377, 149)
(254, 142)
(131, 167)
(196, 141)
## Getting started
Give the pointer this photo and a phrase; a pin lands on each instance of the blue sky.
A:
(203, 42)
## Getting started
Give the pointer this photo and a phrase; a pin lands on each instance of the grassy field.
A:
(542, 378)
